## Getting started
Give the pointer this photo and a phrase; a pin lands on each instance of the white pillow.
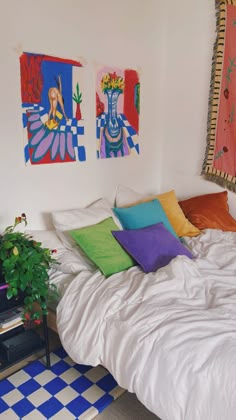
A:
(125, 196)
(69, 262)
(66, 220)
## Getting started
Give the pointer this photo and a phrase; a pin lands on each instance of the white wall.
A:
(124, 33)
(189, 37)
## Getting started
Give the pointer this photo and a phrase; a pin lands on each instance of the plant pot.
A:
(78, 114)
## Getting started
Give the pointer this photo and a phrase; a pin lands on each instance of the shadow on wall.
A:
(47, 221)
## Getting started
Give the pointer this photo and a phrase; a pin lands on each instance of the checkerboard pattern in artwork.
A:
(131, 135)
(65, 391)
(71, 125)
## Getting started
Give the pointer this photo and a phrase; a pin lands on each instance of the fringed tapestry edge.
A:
(209, 173)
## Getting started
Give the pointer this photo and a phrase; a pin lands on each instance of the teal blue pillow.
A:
(143, 215)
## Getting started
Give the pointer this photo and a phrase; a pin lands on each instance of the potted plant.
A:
(77, 97)
(24, 266)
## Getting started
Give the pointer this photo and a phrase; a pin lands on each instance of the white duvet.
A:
(168, 336)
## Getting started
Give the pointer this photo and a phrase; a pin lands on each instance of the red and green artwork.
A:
(220, 161)
(117, 112)
(52, 96)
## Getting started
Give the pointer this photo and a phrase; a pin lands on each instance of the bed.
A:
(167, 335)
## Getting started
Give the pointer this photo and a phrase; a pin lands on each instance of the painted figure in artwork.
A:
(55, 97)
(53, 133)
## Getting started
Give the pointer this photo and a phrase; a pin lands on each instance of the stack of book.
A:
(11, 319)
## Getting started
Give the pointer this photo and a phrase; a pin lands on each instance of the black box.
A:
(19, 346)
(11, 333)
(5, 303)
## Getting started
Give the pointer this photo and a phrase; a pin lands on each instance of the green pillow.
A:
(102, 248)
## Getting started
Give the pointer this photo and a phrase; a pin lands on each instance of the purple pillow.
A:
(152, 247)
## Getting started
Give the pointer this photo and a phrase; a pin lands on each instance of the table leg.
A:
(45, 331)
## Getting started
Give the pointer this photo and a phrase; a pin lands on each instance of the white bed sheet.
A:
(168, 336)
(61, 281)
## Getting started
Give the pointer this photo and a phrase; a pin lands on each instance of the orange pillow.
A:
(209, 211)
(179, 222)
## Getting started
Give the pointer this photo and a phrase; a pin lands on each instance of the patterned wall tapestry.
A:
(220, 161)
(52, 104)
(117, 112)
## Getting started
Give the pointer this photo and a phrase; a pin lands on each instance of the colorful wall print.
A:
(52, 104)
(117, 112)
(219, 165)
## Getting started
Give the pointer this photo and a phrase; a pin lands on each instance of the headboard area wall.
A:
(190, 39)
(170, 44)
(105, 33)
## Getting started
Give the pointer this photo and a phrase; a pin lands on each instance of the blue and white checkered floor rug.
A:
(65, 391)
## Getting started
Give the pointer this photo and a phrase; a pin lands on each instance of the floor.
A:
(126, 407)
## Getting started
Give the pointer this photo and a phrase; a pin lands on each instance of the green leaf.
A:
(77, 96)
(8, 245)
(9, 293)
(14, 291)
